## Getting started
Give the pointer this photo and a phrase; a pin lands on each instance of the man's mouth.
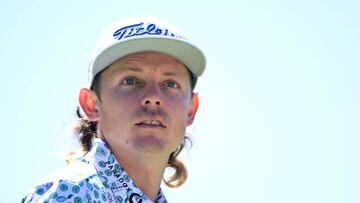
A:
(151, 123)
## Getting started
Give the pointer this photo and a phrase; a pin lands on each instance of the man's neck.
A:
(145, 170)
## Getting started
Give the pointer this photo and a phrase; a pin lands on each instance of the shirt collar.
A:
(115, 178)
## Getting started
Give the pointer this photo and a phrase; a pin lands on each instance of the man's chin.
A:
(150, 144)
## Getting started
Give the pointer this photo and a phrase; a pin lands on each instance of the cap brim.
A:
(184, 52)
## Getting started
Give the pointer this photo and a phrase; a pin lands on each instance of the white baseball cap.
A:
(142, 34)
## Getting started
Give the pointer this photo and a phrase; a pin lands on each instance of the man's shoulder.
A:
(76, 182)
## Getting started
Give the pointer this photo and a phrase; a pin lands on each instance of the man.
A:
(140, 101)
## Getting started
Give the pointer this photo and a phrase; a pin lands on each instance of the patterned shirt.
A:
(96, 177)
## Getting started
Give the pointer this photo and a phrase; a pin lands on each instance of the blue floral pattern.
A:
(97, 177)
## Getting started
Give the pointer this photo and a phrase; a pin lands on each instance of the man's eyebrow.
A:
(170, 73)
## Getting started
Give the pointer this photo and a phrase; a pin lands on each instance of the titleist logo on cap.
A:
(141, 29)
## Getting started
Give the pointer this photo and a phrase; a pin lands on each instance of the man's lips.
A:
(151, 123)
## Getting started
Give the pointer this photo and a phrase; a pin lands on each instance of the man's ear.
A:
(194, 104)
(87, 100)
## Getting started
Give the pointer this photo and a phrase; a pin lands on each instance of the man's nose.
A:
(152, 97)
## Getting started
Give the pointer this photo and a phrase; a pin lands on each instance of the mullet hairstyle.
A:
(86, 130)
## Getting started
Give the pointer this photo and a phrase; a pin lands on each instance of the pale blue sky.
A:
(279, 103)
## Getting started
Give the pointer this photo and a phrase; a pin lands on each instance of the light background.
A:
(279, 115)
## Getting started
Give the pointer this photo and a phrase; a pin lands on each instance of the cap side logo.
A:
(140, 29)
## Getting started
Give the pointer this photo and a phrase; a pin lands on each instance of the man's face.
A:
(145, 103)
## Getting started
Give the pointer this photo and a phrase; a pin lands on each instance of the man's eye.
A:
(128, 81)
(171, 84)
